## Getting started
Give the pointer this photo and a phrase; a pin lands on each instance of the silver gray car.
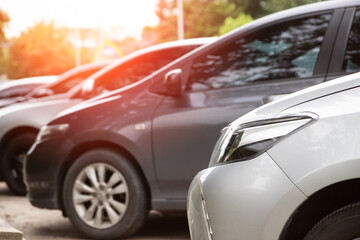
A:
(288, 170)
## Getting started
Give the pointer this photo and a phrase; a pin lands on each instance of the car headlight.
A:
(248, 140)
(48, 131)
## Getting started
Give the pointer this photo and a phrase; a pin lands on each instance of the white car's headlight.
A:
(248, 140)
(48, 131)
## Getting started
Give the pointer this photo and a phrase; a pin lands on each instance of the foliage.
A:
(203, 18)
(4, 19)
(271, 6)
(251, 7)
(166, 30)
(41, 50)
(232, 23)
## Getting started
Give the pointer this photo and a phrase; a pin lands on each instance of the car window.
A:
(287, 50)
(72, 81)
(352, 54)
(138, 68)
(17, 91)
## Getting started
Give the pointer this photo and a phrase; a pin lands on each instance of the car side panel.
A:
(125, 122)
(326, 151)
(32, 114)
(252, 199)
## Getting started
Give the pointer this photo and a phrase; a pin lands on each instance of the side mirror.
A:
(44, 92)
(173, 82)
(22, 99)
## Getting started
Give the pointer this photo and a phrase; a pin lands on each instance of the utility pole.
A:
(180, 19)
(77, 47)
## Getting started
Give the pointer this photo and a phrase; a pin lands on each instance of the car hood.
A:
(33, 103)
(8, 101)
(317, 91)
(109, 96)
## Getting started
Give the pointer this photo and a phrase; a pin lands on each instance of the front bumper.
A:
(244, 200)
(43, 171)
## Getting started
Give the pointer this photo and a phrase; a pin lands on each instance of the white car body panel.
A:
(34, 113)
(255, 198)
(262, 219)
(315, 162)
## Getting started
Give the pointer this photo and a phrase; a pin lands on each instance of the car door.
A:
(225, 83)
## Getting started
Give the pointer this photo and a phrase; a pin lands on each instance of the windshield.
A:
(132, 70)
(66, 82)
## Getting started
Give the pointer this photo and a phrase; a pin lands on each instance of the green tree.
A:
(4, 19)
(41, 50)
(166, 30)
(232, 23)
(203, 18)
(272, 6)
(251, 7)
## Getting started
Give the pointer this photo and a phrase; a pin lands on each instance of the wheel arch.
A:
(319, 205)
(15, 132)
(92, 145)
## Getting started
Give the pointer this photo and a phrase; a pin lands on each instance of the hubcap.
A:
(100, 195)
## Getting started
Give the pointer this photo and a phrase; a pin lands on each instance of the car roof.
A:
(30, 80)
(84, 67)
(153, 48)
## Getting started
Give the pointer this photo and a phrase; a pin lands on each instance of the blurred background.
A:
(48, 37)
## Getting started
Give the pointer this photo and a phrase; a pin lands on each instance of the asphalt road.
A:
(41, 224)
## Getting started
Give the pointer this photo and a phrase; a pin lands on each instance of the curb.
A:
(9, 233)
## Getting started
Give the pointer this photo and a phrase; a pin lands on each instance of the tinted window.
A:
(72, 81)
(138, 68)
(283, 51)
(352, 54)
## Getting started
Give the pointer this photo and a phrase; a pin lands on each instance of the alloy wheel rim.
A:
(100, 195)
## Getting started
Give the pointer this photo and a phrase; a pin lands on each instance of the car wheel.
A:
(12, 163)
(343, 223)
(104, 195)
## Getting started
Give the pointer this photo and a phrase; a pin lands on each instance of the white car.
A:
(20, 120)
(288, 170)
(14, 91)
(20, 123)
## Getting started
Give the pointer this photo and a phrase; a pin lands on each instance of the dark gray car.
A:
(115, 157)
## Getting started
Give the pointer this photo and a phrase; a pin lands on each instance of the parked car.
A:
(288, 170)
(65, 81)
(55, 88)
(20, 123)
(117, 156)
(14, 91)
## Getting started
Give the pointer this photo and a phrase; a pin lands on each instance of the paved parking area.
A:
(40, 224)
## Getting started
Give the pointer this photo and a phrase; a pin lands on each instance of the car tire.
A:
(104, 195)
(12, 163)
(343, 223)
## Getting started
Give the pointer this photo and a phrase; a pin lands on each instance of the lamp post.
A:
(180, 19)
